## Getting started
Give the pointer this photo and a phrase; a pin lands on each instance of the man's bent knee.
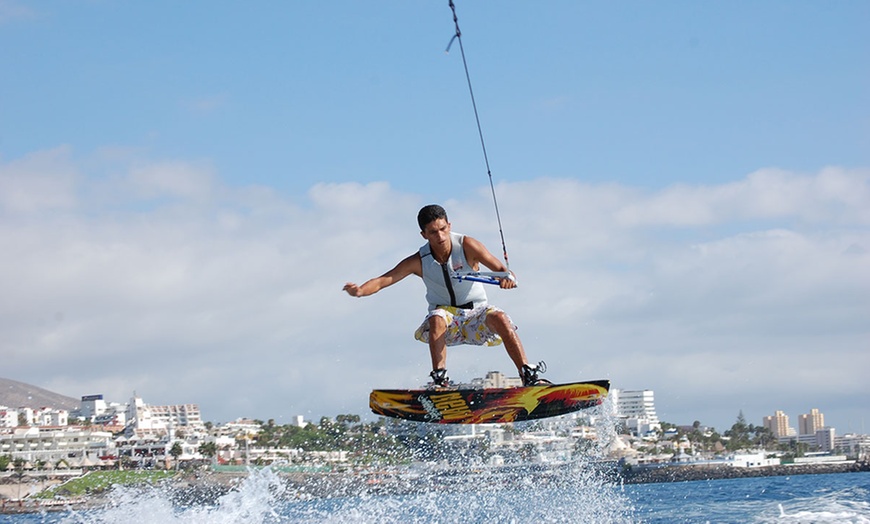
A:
(497, 319)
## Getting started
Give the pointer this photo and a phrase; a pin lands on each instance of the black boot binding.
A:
(440, 378)
(530, 375)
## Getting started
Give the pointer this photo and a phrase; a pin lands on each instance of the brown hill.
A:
(14, 394)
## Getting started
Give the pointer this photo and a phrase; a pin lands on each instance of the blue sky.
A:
(292, 94)
(683, 185)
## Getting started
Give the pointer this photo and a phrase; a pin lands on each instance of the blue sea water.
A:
(834, 498)
(580, 496)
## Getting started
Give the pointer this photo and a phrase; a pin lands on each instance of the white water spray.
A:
(582, 490)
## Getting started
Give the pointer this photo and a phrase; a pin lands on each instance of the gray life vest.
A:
(441, 288)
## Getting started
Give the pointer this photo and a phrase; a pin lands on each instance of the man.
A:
(459, 312)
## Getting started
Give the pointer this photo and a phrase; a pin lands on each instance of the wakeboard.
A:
(488, 405)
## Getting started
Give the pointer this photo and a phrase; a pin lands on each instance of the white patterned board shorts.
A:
(464, 326)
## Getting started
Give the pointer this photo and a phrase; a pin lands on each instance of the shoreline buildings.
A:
(141, 435)
(813, 432)
(637, 409)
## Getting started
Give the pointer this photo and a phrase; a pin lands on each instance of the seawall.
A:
(687, 473)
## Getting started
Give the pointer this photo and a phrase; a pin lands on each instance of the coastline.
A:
(206, 487)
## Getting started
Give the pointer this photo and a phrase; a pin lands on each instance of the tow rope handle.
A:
(486, 277)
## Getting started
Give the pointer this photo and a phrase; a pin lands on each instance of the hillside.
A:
(14, 394)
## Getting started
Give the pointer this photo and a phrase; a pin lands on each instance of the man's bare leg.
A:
(437, 342)
(498, 322)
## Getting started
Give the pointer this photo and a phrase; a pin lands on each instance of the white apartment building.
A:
(637, 408)
(51, 417)
(43, 435)
(12, 418)
(153, 449)
(186, 415)
(8, 417)
(95, 409)
(638, 404)
(144, 419)
(822, 440)
(239, 427)
(91, 407)
(856, 446)
(51, 445)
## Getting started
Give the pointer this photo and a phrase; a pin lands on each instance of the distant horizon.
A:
(368, 415)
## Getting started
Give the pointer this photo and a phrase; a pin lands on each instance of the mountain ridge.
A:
(15, 394)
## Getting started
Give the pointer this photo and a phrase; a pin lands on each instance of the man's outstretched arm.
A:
(410, 265)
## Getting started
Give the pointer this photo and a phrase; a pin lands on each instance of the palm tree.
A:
(176, 451)
(19, 464)
(208, 449)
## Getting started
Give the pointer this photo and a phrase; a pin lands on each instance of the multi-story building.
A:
(184, 415)
(143, 419)
(854, 446)
(91, 407)
(238, 427)
(778, 425)
(496, 379)
(51, 417)
(811, 422)
(825, 439)
(8, 417)
(12, 418)
(638, 404)
(637, 409)
(73, 445)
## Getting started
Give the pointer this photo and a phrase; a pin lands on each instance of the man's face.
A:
(437, 233)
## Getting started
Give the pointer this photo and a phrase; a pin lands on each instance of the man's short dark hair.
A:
(429, 214)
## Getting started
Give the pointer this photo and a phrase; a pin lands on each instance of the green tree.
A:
(176, 451)
(740, 434)
(764, 438)
(208, 449)
(19, 464)
(347, 420)
(793, 449)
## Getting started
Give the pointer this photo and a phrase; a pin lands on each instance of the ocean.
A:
(580, 496)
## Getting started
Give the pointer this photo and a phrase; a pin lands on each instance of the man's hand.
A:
(508, 282)
(352, 289)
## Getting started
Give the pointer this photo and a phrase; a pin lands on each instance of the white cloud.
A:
(831, 196)
(738, 297)
(173, 180)
(41, 181)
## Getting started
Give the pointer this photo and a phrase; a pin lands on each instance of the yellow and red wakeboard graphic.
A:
(488, 406)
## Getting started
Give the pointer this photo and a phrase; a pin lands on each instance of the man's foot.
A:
(530, 375)
(439, 378)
